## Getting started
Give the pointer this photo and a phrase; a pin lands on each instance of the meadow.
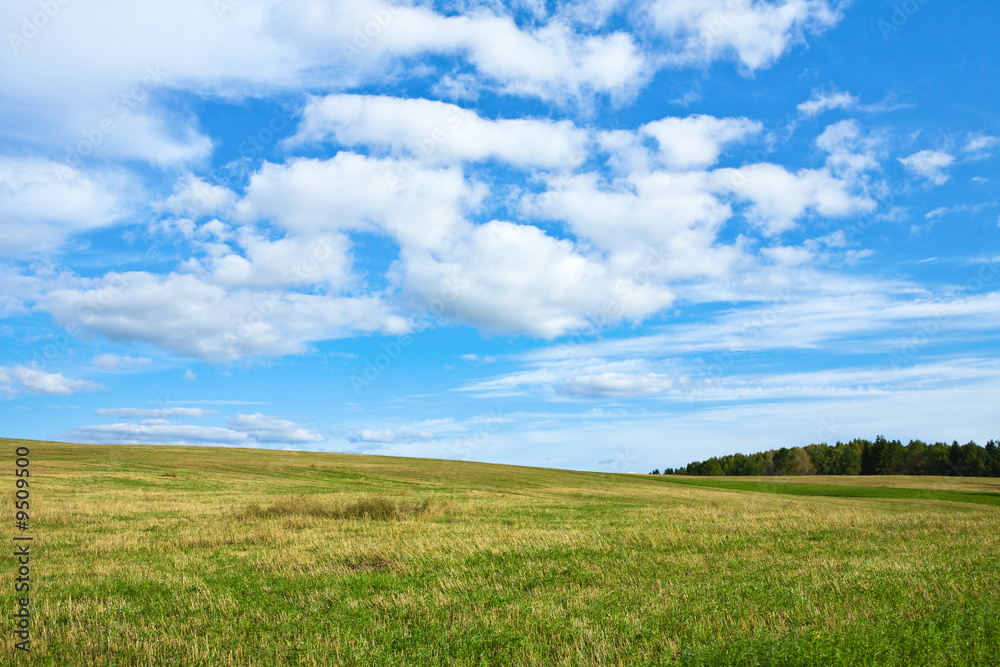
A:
(207, 556)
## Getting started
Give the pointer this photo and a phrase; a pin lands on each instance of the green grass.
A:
(837, 490)
(202, 556)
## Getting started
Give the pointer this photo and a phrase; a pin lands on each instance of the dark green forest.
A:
(857, 457)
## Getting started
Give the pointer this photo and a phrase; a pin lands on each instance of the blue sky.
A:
(590, 235)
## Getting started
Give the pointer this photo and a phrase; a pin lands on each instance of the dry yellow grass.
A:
(241, 557)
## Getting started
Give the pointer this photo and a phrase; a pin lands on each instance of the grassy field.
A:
(203, 556)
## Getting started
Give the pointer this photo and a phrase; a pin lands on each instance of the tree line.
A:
(857, 457)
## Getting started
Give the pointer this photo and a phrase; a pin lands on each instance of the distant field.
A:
(207, 556)
(979, 490)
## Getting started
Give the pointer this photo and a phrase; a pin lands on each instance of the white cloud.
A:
(376, 435)
(979, 144)
(27, 380)
(419, 207)
(509, 278)
(189, 317)
(487, 359)
(826, 101)
(155, 413)
(932, 165)
(241, 429)
(106, 102)
(436, 132)
(941, 412)
(617, 385)
(815, 310)
(584, 376)
(78, 103)
(386, 436)
(850, 152)
(551, 62)
(958, 208)
(677, 214)
(10, 305)
(113, 362)
(194, 197)
(42, 203)
(159, 432)
(778, 197)
(266, 429)
(292, 261)
(756, 33)
(697, 141)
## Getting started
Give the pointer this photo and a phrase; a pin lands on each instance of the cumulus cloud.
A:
(850, 151)
(779, 197)
(42, 203)
(931, 165)
(192, 318)
(697, 141)
(552, 62)
(510, 278)
(754, 33)
(437, 132)
(657, 227)
(257, 262)
(194, 197)
(16, 380)
(419, 207)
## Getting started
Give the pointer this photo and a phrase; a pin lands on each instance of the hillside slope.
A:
(197, 555)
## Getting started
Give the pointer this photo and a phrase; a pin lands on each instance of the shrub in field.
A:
(377, 508)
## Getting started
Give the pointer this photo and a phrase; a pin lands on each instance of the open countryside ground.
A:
(188, 555)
